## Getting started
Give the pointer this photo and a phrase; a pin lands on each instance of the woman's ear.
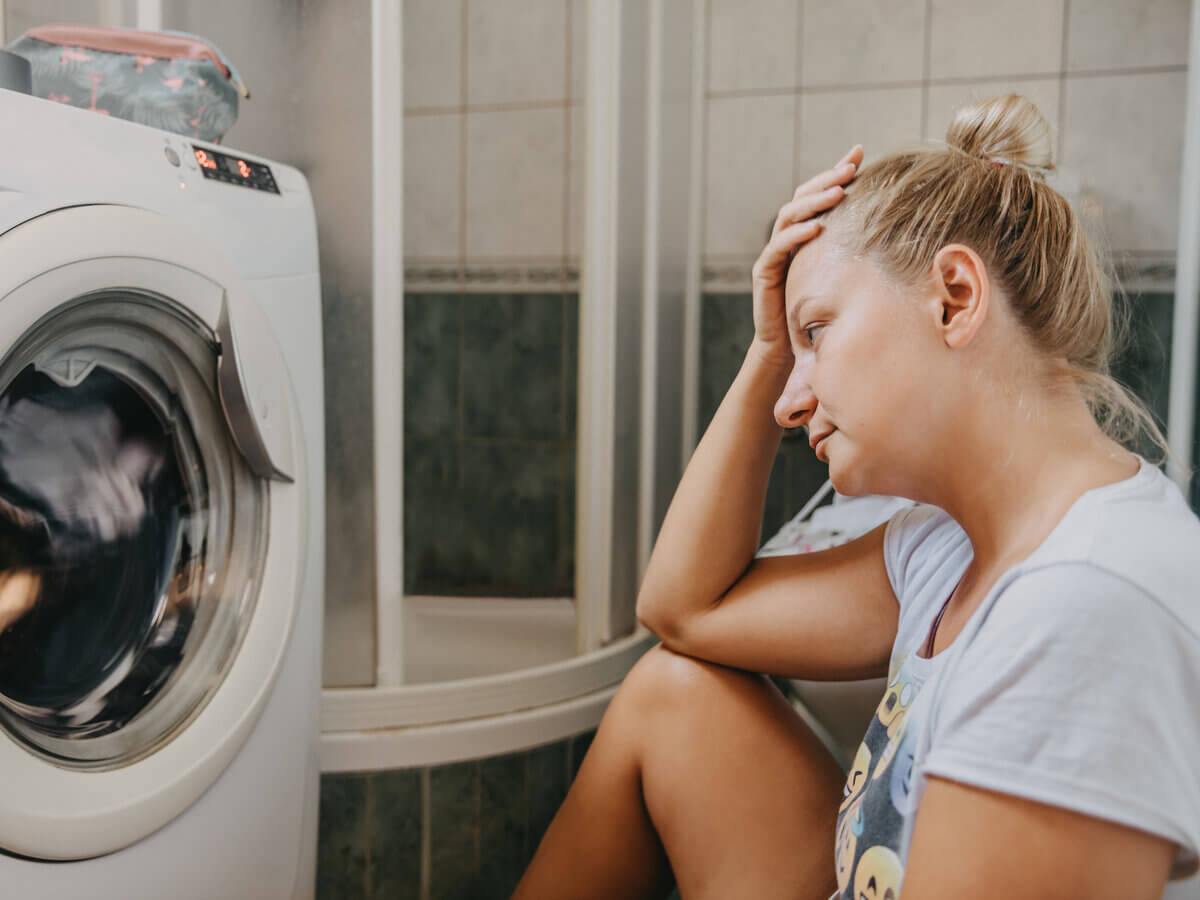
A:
(962, 293)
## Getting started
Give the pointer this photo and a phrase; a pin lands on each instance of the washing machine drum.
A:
(130, 531)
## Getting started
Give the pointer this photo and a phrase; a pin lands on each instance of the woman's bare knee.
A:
(729, 773)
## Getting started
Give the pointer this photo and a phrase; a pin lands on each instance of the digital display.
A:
(223, 167)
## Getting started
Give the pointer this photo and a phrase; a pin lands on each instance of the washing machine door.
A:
(150, 525)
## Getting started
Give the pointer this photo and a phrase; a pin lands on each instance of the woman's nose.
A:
(797, 403)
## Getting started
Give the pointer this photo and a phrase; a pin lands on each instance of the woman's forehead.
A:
(816, 269)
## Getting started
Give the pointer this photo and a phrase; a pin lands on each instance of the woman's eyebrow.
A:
(794, 315)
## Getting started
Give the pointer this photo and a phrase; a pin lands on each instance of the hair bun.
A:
(1008, 129)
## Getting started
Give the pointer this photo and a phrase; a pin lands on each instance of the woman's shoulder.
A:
(1141, 531)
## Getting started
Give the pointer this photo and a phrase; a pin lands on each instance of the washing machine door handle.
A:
(252, 378)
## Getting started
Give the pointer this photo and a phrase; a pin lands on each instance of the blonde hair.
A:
(987, 189)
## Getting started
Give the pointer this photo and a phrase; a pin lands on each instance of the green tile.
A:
(342, 838)
(432, 331)
(726, 329)
(547, 785)
(512, 366)
(433, 514)
(776, 506)
(503, 825)
(395, 828)
(510, 520)
(579, 748)
(566, 521)
(454, 831)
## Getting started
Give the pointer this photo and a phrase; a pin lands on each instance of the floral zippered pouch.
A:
(167, 79)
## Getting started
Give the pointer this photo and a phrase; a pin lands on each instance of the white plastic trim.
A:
(401, 748)
(695, 242)
(597, 329)
(1182, 397)
(423, 705)
(650, 305)
(387, 174)
(149, 15)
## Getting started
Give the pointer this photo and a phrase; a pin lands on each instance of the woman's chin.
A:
(847, 480)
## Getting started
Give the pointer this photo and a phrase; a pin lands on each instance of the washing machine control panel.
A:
(233, 170)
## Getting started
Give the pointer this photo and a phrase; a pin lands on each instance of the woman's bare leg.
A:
(707, 767)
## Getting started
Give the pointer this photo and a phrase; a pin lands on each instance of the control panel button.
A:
(171, 155)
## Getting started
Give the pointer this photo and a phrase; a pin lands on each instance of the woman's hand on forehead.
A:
(795, 225)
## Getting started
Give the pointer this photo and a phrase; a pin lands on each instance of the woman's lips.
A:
(820, 442)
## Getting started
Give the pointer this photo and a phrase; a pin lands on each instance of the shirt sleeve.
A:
(1074, 691)
(903, 537)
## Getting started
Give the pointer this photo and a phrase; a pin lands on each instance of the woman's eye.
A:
(812, 331)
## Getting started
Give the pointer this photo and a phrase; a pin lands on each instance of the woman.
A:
(939, 325)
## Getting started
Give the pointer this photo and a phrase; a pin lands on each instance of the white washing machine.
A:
(161, 514)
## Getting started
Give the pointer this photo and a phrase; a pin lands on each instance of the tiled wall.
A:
(493, 224)
(493, 133)
(792, 84)
(464, 831)
(489, 443)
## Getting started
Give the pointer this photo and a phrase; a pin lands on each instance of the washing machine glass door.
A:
(131, 530)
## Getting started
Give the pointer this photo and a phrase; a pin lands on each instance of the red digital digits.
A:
(205, 160)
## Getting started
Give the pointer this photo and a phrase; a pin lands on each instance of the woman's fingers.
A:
(773, 260)
(809, 205)
(820, 192)
(845, 169)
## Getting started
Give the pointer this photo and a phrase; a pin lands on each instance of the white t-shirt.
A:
(1075, 682)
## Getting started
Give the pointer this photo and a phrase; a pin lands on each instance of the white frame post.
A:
(387, 211)
(1182, 402)
(149, 15)
(695, 252)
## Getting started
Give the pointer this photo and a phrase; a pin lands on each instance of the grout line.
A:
(798, 80)
(464, 75)
(1062, 84)
(426, 835)
(512, 106)
(478, 815)
(526, 836)
(566, 184)
(367, 836)
(946, 81)
(708, 54)
(926, 69)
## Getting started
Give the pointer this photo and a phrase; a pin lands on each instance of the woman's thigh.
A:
(742, 794)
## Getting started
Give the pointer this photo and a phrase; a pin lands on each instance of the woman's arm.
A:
(970, 842)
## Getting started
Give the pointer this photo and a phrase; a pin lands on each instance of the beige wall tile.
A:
(752, 44)
(1122, 140)
(431, 185)
(945, 99)
(579, 31)
(515, 167)
(982, 38)
(831, 122)
(748, 170)
(1113, 34)
(857, 41)
(432, 53)
(516, 51)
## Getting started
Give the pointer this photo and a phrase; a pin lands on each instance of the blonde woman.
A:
(940, 326)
